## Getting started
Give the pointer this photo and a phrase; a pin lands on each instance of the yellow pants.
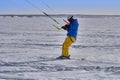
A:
(66, 45)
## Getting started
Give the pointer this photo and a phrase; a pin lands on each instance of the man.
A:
(72, 30)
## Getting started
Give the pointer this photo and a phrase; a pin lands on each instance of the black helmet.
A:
(70, 18)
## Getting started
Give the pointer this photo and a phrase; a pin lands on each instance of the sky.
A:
(110, 7)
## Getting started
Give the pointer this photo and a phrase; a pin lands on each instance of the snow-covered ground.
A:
(29, 46)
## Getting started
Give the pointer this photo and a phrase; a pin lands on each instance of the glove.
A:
(63, 27)
(66, 27)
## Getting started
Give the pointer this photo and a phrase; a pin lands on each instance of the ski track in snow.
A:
(28, 47)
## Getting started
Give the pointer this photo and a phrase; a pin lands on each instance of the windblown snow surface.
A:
(29, 46)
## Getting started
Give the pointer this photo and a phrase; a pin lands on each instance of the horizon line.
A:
(60, 14)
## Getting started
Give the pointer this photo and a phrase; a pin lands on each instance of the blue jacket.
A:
(73, 29)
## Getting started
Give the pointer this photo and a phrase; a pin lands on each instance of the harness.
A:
(71, 39)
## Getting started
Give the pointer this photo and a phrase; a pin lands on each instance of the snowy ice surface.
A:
(29, 46)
